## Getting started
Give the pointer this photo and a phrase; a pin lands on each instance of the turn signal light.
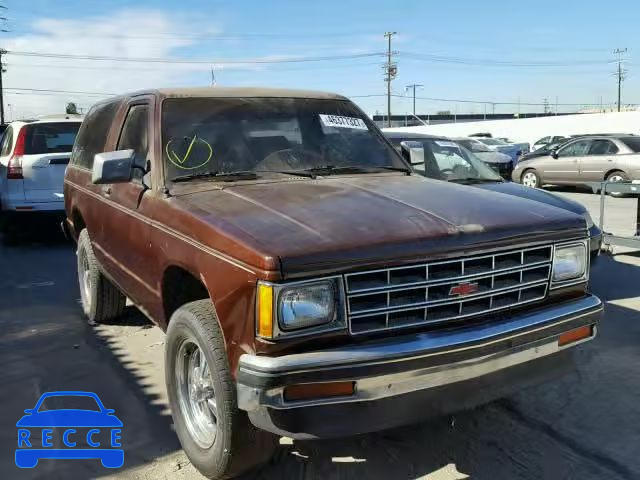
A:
(308, 391)
(265, 310)
(575, 335)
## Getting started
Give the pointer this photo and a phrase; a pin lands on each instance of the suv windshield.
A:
(446, 160)
(474, 145)
(44, 138)
(492, 141)
(202, 137)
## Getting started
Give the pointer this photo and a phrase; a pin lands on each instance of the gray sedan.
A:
(586, 159)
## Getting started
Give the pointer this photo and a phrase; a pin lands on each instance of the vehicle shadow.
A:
(46, 345)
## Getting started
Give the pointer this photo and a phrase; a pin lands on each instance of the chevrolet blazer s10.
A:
(310, 284)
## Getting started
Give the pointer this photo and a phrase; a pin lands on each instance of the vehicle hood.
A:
(512, 188)
(331, 223)
(493, 157)
(69, 418)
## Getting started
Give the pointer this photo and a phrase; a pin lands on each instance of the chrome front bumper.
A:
(412, 363)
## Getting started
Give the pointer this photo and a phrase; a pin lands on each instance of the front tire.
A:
(216, 436)
(101, 300)
(530, 178)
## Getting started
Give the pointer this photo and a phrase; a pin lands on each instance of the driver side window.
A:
(576, 149)
(134, 136)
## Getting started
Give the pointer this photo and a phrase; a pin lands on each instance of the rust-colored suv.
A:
(310, 284)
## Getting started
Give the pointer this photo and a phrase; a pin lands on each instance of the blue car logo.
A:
(95, 429)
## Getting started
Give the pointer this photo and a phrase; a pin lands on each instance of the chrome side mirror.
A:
(414, 150)
(113, 167)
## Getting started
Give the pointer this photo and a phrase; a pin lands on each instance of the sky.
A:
(501, 55)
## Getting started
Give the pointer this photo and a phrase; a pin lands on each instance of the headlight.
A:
(306, 306)
(570, 262)
(300, 308)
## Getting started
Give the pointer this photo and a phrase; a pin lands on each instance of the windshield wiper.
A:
(474, 181)
(239, 174)
(333, 170)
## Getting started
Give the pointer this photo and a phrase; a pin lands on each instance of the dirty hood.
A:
(342, 222)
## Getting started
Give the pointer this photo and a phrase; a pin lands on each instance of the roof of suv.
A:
(227, 92)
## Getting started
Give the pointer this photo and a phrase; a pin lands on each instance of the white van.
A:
(33, 158)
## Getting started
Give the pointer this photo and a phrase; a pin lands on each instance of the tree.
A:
(72, 108)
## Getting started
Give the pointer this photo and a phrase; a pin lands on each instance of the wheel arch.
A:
(180, 286)
(613, 170)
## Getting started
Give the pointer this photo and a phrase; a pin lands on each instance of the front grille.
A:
(422, 294)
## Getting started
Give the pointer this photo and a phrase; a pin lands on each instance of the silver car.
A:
(585, 159)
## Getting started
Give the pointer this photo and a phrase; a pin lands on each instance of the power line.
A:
(499, 63)
(44, 90)
(458, 100)
(197, 62)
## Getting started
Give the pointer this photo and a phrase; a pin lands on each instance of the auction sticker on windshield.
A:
(343, 122)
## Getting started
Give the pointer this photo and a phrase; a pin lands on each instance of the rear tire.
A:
(618, 176)
(216, 436)
(101, 300)
(531, 179)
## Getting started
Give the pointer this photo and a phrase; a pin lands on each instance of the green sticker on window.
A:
(196, 155)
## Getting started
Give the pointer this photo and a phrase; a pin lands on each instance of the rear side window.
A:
(43, 138)
(92, 135)
(602, 147)
(632, 142)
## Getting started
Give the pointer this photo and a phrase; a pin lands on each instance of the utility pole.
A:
(391, 70)
(620, 74)
(545, 105)
(413, 87)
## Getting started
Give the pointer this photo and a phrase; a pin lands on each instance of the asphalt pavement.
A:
(583, 426)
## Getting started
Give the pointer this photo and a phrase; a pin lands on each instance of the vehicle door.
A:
(125, 235)
(598, 161)
(47, 149)
(564, 167)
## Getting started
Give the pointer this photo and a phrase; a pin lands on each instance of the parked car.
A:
(33, 158)
(542, 151)
(311, 284)
(513, 150)
(546, 141)
(500, 162)
(584, 159)
(439, 158)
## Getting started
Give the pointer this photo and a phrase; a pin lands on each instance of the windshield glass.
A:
(202, 135)
(474, 145)
(44, 138)
(447, 160)
(491, 141)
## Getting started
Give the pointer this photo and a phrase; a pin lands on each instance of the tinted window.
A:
(134, 135)
(575, 149)
(50, 137)
(602, 147)
(633, 143)
(93, 134)
(268, 134)
(543, 140)
(7, 141)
